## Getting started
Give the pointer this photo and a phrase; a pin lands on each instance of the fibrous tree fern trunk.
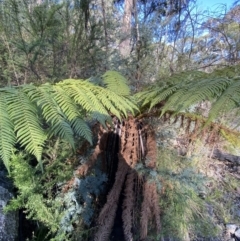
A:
(136, 145)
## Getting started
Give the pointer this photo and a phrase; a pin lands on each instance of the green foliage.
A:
(89, 188)
(78, 204)
(116, 82)
(43, 198)
(31, 193)
(184, 211)
(222, 88)
(223, 198)
(31, 114)
(23, 114)
(52, 41)
(7, 136)
(232, 139)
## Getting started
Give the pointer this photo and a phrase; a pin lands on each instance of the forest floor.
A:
(222, 170)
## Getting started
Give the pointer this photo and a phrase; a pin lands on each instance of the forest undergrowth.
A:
(193, 195)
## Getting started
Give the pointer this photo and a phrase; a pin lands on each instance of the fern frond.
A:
(89, 90)
(106, 99)
(220, 87)
(167, 87)
(116, 83)
(7, 135)
(165, 93)
(229, 99)
(112, 100)
(82, 129)
(196, 91)
(101, 118)
(74, 89)
(86, 95)
(28, 130)
(71, 110)
(43, 97)
(68, 107)
(38, 112)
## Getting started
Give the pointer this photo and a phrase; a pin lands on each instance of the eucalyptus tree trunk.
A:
(125, 46)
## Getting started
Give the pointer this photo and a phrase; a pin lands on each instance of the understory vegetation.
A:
(113, 115)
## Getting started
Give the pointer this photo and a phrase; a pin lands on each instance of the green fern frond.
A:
(68, 107)
(113, 102)
(220, 87)
(7, 135)
(94, 98)
(43, 97)
(31, 114)
(164, 94)
(89, 90)
(86, 95)
(82, 129)
(71, 110)
(102, 96)
(196, 91)
(131, 103)
(116, 83)
(101, 118)
(229, 99)
(23, 114)
(73, 88)
(166, 87)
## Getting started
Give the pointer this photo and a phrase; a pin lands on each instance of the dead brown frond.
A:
(150, 209)
(146, 211)
(151, 146)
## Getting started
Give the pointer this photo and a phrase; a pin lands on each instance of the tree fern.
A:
(31, 114)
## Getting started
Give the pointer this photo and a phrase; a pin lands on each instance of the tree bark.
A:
(124, 46)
